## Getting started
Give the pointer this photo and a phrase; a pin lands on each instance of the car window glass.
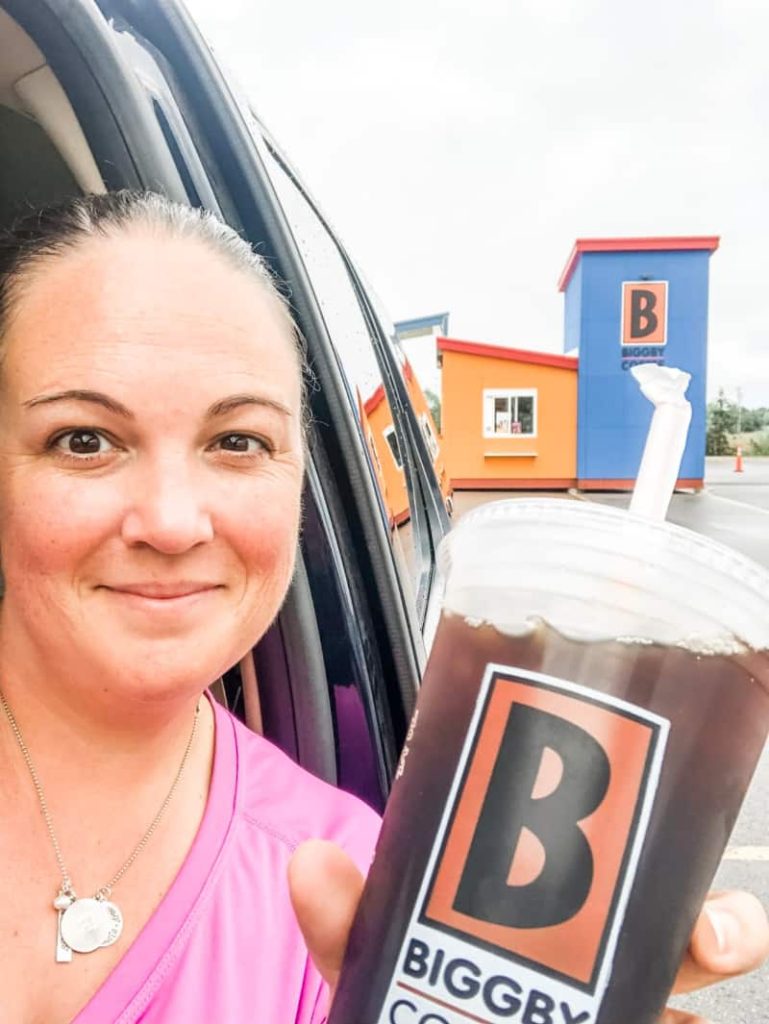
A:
(384, 439)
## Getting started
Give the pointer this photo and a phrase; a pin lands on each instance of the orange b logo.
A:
(644, 312)
(537, 848)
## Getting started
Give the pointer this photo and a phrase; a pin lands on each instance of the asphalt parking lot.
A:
(734, 509)
(750, 486)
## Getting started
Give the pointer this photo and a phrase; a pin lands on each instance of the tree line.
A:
(728, 421)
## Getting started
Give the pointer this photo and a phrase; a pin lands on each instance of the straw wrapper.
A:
(665, 388)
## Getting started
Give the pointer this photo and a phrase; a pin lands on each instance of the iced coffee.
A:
(595, 703)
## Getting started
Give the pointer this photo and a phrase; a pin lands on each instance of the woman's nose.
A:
(168, 510)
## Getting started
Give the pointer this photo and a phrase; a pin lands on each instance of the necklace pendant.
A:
(63, 952)
(115, 922)
(89, 924)
(60, 904)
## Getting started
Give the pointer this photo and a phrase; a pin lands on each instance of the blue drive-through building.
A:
(628, 301)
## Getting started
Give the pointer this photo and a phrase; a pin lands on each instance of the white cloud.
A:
(460, 149)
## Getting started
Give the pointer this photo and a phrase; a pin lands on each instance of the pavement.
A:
(734, 509)
(750, 486)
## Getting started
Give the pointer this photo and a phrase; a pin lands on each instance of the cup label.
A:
(518, 915)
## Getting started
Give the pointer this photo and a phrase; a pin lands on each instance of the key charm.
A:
(60, 904)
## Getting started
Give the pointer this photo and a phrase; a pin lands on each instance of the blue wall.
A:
(613, 415)
(573, 311)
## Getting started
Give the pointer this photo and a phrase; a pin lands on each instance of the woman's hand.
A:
(325, 889)
(731, 936)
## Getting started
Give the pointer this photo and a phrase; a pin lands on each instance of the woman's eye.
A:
(244, 443)
(82, 443)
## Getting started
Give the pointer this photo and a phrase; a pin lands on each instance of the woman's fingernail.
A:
(724, 927)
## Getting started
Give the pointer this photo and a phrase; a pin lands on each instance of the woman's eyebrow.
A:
(225, 405)
(81, 395)
(219, 408)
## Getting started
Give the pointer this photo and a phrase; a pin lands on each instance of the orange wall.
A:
(465, 448)
(378, 418)
(421, 408)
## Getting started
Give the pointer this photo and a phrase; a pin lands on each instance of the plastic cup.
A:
(595, 703)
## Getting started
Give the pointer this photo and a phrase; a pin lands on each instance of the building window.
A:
(392, 440)
(429, 436)
(510, 413)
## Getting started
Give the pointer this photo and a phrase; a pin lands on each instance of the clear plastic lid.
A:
(596, 573)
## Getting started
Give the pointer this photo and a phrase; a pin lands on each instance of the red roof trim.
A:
(374, 400)
(624, 484)
(377, 397)
(519, 355)
(678, 242)
(498, 483)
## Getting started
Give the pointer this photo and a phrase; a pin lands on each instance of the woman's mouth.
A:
(157, 591)
(159, 598)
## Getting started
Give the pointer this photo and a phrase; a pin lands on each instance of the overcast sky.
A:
(459, 148)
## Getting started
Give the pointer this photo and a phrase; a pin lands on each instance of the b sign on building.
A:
(632, 301)
(644, 312)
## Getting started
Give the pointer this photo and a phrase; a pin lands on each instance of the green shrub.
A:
(759, 445)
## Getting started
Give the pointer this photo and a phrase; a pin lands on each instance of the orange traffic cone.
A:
(738, 462)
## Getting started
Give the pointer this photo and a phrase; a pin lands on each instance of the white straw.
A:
(665, 388)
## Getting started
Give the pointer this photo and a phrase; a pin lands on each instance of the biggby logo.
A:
(644, 312)
(537, 849)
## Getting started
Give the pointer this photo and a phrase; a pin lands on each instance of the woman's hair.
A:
(55, 230)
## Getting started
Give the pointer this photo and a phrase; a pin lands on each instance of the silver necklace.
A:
(89, 923)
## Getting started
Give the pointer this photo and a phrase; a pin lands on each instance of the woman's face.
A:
(150, 464)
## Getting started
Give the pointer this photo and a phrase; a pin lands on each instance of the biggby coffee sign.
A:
(644, 320)
(519, 913)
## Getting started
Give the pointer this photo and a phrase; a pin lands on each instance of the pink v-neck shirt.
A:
(223, 947)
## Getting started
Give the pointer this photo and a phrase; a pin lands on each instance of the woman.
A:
(152, 457)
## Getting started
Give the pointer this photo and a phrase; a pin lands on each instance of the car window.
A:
(387, 444)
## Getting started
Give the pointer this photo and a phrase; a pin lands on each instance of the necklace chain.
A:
(67, 887)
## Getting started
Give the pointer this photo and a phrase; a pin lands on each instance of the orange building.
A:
(508, 417)
(379, 431)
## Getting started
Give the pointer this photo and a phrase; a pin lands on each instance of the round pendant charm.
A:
(115, 919)
(86, 925)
